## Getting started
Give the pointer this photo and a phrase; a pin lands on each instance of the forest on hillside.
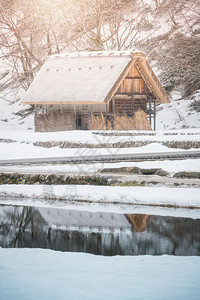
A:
(167, 30)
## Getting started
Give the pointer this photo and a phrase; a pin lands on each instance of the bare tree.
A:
(17, 44)
(28, 32)
(106, 25)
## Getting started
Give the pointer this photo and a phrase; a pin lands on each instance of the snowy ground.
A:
(24, 148)
(171, 166)
(178, 114)
(153, 196)
(16, 150)
(93, 137)
(102, 207)
(46, 274)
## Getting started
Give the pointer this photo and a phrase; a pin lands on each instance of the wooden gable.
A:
(133, 83)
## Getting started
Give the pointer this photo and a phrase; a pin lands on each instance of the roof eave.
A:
(151, 80)
(63, 103)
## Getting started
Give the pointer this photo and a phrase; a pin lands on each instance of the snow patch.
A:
(46, 274)
(158, 196)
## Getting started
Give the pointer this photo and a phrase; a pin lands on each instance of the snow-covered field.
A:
(93, 137)
(23, 146)
(46, 274)
(171, 166)
(12, 150)
(155, 196)
(17, 150)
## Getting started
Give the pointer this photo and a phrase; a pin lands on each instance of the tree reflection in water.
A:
(98, 233)
(19, 224)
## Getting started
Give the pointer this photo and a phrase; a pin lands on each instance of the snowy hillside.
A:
(179, 113)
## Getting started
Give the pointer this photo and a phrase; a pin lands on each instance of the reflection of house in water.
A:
(82, 220)
(74, 219)
(98, 232)
(139, 222)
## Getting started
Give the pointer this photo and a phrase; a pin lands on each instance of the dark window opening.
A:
(79, 122)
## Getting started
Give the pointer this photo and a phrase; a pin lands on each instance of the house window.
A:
(78, 121)
(41, 109)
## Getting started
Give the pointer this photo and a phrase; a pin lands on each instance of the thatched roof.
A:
(86, 77)
(73, 218)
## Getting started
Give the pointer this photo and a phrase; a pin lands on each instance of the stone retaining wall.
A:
(16, 178)
(127, 144)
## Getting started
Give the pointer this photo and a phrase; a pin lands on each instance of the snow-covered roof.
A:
(81, 77)
(76, 218)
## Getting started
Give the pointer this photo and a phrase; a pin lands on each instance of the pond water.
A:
(98, 233)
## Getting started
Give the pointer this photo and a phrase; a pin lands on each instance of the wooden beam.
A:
(150, 110)
(132, 106)
(132, 77)
(132, 93)
(63, 103)
(154, 115)
(113, 110)
(106, 116)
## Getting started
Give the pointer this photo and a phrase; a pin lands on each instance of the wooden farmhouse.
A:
(95, 90)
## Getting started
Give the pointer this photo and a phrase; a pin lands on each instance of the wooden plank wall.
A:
(131, 95)
(79, 108)
(55, 121)
(129, 106)
(140, 103)
(124, 106)
(133, 83)
(65, 117)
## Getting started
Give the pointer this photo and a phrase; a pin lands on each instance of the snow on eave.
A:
(115, 53)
